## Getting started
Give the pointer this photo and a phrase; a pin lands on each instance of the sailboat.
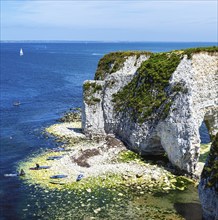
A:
(21, 52)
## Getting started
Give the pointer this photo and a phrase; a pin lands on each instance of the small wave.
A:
(11, 175)
(97, 54)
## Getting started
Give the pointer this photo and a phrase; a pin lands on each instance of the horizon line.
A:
(98, 41)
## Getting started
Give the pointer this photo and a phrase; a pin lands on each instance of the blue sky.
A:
(176, 20)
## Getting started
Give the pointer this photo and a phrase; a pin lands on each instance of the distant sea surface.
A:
(47, 81)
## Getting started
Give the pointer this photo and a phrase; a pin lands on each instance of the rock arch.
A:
(178, 133)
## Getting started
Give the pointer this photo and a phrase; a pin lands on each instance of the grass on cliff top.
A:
(189, 52)
(114, 61)
(149, 93)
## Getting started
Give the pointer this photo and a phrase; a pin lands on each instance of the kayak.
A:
(54, 158)
(11, 174)
(40, 168)
(60, 176)
(58, 149)
(59, 183)
(80, 176)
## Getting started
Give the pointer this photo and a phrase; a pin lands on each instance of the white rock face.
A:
(178, 134)
(92, 114)
(98, 118)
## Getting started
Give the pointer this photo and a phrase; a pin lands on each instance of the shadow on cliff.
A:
(189, 211)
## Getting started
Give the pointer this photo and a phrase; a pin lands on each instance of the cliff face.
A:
(208, 187)
(98, 109)
(156, 103)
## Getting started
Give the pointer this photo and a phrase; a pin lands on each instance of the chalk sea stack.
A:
(155, 103)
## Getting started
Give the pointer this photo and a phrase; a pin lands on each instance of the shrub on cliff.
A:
(148, 91)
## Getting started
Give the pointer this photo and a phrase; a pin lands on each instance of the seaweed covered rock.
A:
(208, 187)
(155, 103)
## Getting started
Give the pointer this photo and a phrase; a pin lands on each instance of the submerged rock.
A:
(208, 187)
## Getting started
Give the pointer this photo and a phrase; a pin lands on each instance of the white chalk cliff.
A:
(177, 134)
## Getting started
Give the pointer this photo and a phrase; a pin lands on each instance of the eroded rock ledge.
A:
(155, 103)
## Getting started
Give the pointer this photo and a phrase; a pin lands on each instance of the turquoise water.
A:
(47, 81)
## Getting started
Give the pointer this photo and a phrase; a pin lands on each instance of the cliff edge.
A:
(155, 103)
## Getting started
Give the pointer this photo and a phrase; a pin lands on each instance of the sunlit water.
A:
(47, 81)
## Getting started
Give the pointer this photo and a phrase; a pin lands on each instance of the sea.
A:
(47, 82)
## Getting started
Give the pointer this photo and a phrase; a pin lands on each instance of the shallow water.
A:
(109, 204)
(47, 81)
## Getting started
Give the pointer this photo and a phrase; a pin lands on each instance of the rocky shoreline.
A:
(154, 104)
(103, 162)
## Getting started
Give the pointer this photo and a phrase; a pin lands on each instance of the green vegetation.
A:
(210, 172)
(129, 182)
(102, 203)
(39, 177)
(181, 182)
(128, 156)
(74, 115)
(89, 89)
(189, 52)
(112, 62)
(179, 87)
(204, 152)
(92, 86)
(147, 92)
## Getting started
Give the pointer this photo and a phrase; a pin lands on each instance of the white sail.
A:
(21, 52)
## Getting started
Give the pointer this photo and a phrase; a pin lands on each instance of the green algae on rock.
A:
(103, 204)
(39, 177)
(204, 152)
(101, 196)
(127, 156)
(152, 179)
(74, 115)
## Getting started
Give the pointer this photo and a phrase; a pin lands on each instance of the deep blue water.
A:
(47, 81)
